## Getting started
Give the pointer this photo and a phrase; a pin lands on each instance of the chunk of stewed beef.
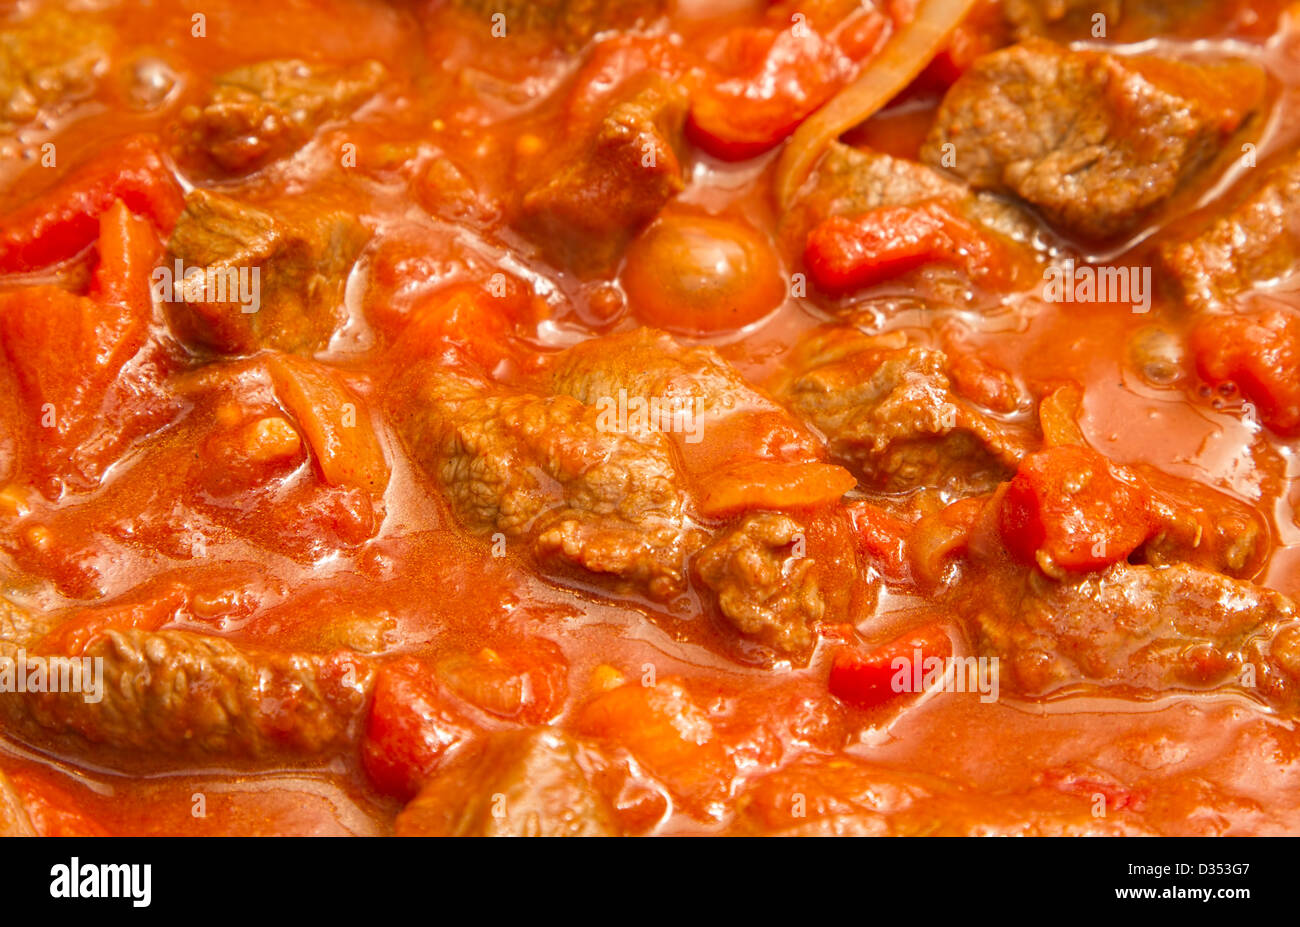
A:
(766, 585)
(849, 182)
(547, 471)
(586, 200)
(514, 784)
(1254, 242)
(250, 277)
(708, 408)
(890, 412)
(49, 59)
(570, 22)
(1095, 141)
(175, 693)
(256, 114)
(1142, 628)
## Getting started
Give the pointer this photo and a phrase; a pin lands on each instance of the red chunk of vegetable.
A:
(882, 538)
(774, 485)
(61, 222)
(671, 735)
(463, 323)
(87, 372)
(904, 666)
(52, 811)
(1070, 508)
(1260, 353)
(521, 682)
(847, 254)
(411, 728)
(334, 420)
(72, 637)
(768, 82)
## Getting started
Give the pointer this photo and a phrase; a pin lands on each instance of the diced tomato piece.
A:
(462, 323)
(61, 222)
(982, 31)
(1070, 508)
(769, 81)
(128, 250)
(73, 636)
(88, 376)
(1260, 353)
(668, 260)
(616, 60)
(52, 811)
(883, 538)
(772, 485)
(523, 682)
(334, 420)
(411, 728)
(868, 680)
(847, 254)
(669, 733)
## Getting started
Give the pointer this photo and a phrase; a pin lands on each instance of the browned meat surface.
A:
(766, 586)
(515, 784)
(178, 693)
(569, 22)
(51, 58)
(651, 365)
(1122, 20)
(645, 362)
(543, 470)
(1139, 628)
(301, 256)
(1095, 141)
(889, 411)
(1203, 527)
(265, 111)
(586, 202)
(1256, 241)
(851, 181)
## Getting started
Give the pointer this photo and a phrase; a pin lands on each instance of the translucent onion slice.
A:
(904, 56)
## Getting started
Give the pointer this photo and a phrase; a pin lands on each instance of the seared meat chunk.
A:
(254, 278)
(262, 112)
(766, 586)
(1253, 243)
(545, 470)
(587, 201)
(51, 58)
(1138, 627)
(1094, 141)
(890, 412)
(715, 400)
(1196, 524)
(571, 22)
(183, 694)
(1121, 21)
(515, 784)
(849, 182)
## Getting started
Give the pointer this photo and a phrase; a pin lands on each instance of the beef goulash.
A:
(579, 417)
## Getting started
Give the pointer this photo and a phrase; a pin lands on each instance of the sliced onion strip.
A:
(904, 56)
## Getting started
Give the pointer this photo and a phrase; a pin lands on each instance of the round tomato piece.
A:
(698, 274)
